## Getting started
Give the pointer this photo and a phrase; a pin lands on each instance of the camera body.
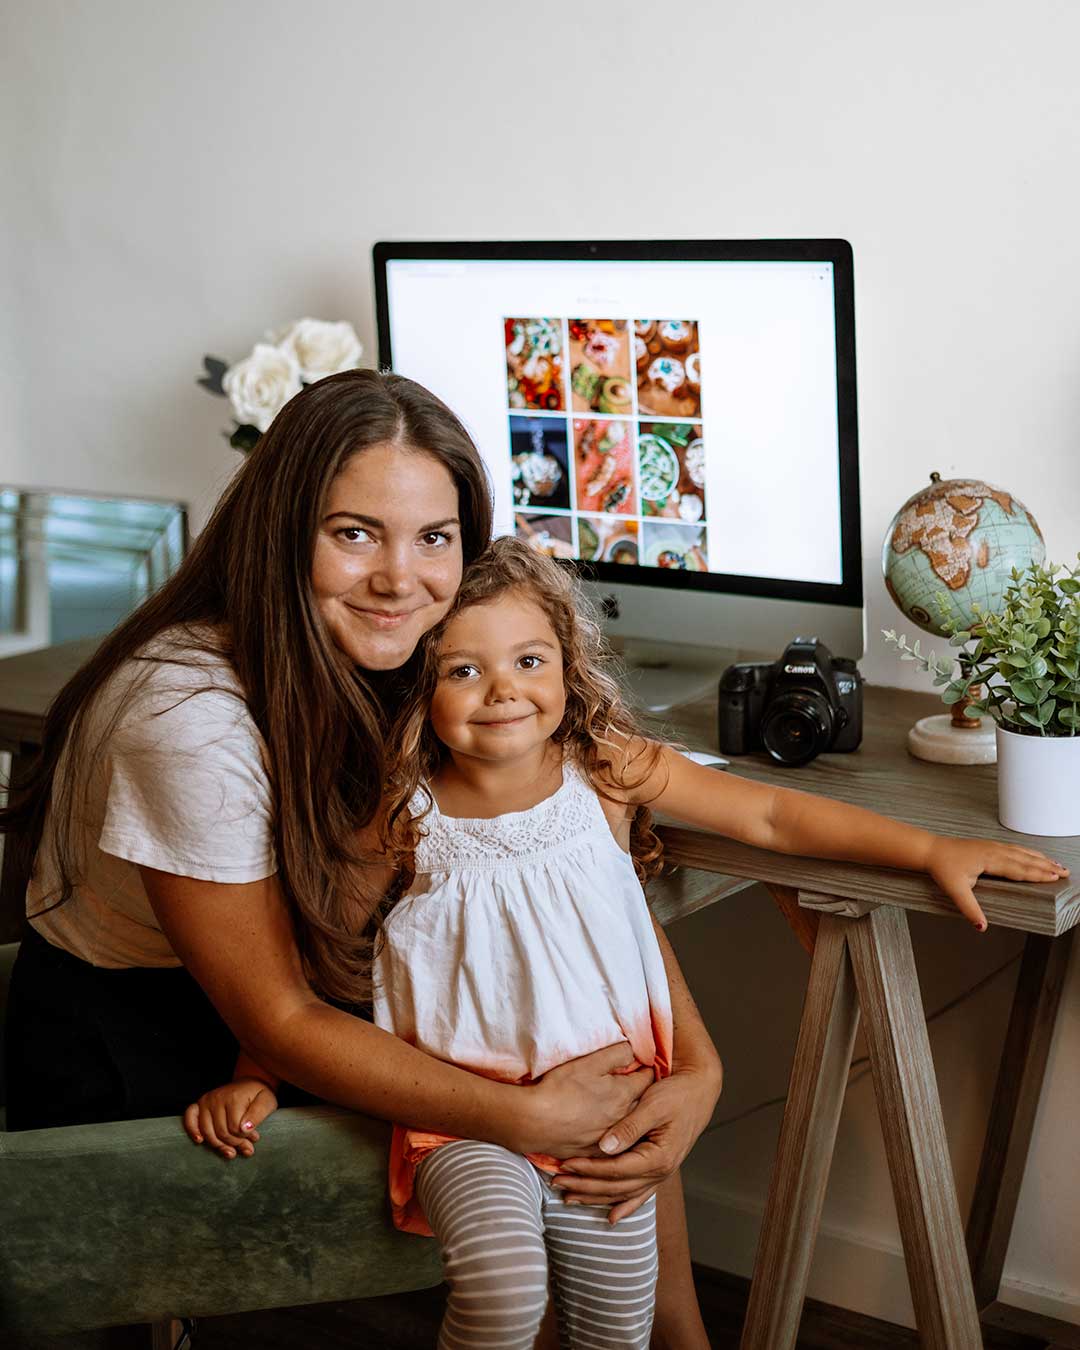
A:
(796, 707)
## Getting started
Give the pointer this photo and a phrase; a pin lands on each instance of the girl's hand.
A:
(575, 1103)
(226, 1117)
(956, 864)
(647, 1145)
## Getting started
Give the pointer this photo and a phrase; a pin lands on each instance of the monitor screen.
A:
(668, 414)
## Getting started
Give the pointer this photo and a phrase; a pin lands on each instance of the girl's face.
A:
(387, 559)
(500, 693)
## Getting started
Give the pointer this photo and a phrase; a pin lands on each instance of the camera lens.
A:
(797, 726)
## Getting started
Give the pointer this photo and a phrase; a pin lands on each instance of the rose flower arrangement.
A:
(260, 385)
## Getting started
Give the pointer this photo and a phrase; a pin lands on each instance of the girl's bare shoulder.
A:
(630, 769)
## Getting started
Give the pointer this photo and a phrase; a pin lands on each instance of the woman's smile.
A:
(382, 618)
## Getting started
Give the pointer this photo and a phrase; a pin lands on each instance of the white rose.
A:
(321, 348)
(259, 386)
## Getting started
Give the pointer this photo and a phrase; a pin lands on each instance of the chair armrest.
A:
(131, 1222)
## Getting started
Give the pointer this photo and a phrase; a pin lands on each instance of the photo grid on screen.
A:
(605, 439)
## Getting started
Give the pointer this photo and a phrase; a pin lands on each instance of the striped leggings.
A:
(504, 1228)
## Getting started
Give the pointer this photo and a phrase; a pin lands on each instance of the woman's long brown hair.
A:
(244, 593)
(599, 730)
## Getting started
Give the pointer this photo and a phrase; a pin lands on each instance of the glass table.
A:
(72, 566)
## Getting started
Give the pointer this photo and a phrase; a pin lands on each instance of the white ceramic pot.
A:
(1038, 783)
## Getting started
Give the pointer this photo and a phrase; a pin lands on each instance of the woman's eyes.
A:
(356, 534)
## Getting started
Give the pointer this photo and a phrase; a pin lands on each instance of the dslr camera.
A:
(806, 702)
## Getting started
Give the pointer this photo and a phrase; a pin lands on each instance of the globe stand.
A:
(955, 739)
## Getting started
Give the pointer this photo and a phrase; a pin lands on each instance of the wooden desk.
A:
(852, 919)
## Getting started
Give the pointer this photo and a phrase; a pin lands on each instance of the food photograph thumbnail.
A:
(671, 470)
(604, 465)
(539, 460)
(668, 367)
(600, 365)
(681, 547)
(534, 363)
(552, 535)
(607, 539)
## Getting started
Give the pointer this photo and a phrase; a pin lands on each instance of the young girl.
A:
(518, 830)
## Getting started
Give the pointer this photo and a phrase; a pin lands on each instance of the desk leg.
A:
(1012, 1116)
(807, 1135)
(914, 1132)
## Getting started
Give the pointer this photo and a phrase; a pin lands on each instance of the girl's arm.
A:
(787, 821)
(237, 941)
(650, 1143)
(246, 1067)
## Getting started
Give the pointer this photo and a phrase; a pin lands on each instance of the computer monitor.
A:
(679, 418)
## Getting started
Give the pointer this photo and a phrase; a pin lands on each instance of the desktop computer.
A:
(677, 418)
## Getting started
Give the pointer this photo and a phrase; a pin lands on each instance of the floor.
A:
(410, 1322)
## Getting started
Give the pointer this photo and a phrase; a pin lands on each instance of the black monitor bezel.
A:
(849, 591)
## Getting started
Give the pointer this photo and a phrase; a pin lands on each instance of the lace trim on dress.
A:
(449, 843)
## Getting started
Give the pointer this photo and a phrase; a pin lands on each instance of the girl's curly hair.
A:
(598, 728)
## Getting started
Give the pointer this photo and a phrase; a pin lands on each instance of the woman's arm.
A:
(787, 821)
(237, 941)
(654, 1138)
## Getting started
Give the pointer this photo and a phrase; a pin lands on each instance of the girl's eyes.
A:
(530, 661)
(353, 534)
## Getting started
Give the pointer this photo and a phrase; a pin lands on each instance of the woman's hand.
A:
(647, 1145)
(226, 1117)
(566, 1112)
(956, 865)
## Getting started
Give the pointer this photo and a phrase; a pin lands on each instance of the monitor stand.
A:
(661, 675)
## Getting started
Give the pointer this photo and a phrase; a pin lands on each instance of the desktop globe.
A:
(952, 546)
(949, 552)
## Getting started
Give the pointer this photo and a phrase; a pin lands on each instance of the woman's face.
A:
(388, 554)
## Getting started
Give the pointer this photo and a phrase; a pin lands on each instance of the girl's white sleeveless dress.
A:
(524, 941)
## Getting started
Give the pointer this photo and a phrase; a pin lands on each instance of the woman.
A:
(193, 821)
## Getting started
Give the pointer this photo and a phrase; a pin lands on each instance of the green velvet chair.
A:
(103, 1225)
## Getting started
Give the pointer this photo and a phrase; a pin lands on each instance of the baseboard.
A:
(849, 1271)
(1064, 1305)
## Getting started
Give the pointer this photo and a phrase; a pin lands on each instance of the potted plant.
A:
(1021, 665)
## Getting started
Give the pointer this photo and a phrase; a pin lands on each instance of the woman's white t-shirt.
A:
(177, 782)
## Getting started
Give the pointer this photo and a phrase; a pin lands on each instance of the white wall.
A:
(182, 177)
